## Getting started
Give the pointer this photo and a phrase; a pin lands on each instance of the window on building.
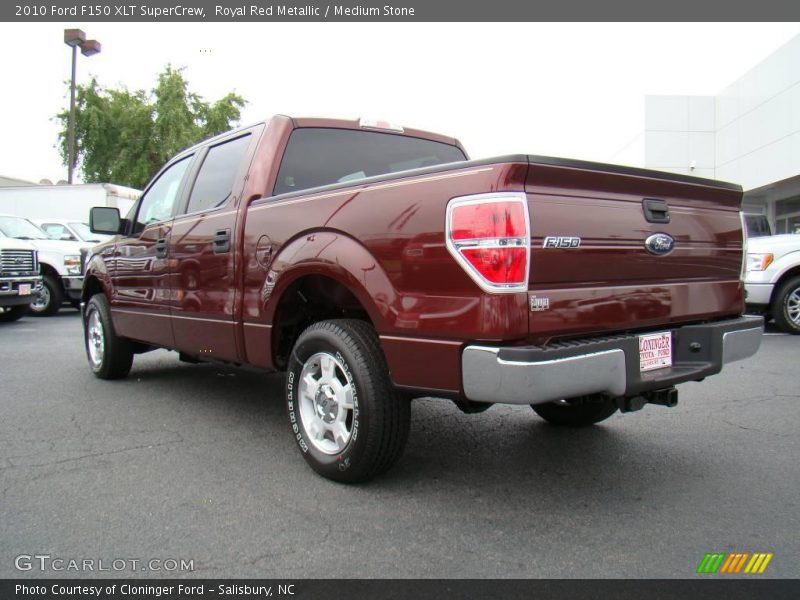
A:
(787, 215)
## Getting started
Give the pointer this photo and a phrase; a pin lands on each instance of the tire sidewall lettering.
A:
(343, 460)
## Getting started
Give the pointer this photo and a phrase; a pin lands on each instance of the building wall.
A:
(758, 122)
(9, 181)
(748, 134)
(679, 134)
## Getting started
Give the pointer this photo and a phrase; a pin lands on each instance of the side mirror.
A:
(103, 219)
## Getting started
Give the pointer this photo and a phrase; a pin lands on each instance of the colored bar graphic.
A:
(711, 562)
(734, 562)
(759, 562)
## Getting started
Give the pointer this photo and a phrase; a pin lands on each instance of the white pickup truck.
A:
(60, 263)
(772, 282)
(20, 282)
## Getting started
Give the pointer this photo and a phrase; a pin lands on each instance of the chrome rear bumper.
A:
(539, 374)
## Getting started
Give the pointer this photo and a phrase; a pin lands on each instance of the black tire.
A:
(114, 359)
(51, 298)
(577, 412)
(13, 313)
(378, 417)
(786, 306)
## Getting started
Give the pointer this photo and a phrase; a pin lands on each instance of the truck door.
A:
(140, 304)
(203, 251)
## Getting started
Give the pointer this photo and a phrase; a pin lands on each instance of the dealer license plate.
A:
(24, 289)
(655, 351)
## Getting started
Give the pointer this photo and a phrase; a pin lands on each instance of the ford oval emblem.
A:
(659, 244)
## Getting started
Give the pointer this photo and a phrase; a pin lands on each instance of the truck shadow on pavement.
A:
(627, 459)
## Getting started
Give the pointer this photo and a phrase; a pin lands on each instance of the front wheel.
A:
(786, 306)
(110, 356)
(346, 416)
(48, 301)
(577, 412)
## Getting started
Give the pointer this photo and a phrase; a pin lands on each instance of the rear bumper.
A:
(538, 374)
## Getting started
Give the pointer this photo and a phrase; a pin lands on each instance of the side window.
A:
(158, 203)
(214, 183)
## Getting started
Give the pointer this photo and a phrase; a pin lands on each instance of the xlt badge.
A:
(539, 304)
(560, 241)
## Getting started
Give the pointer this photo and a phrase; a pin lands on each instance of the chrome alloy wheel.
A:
(42, 300)
(95, 341)
(793, 306)
(326, 403)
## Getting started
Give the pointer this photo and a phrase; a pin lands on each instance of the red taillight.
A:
(490, 220)
(489, 236)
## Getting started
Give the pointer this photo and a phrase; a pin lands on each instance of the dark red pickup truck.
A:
(374, 264)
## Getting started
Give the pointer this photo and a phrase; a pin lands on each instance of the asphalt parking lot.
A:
(196, 462)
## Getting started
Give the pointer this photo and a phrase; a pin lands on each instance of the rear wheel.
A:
(346, 416)
(786, 306)
(577, 412)
(49, 299)
(110, 356)
(13, 313)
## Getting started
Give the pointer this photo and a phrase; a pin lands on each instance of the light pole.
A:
(75, 38)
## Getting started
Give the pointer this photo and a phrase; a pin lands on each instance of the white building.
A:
(749, 134)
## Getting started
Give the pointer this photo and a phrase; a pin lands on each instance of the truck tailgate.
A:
(591, 270)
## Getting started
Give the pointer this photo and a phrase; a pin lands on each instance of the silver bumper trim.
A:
(488, 378)
(737, 345)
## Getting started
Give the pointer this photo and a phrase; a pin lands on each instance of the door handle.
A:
(161, 248)
(222, 241)
(655, 211)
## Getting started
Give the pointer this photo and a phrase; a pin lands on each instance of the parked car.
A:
(772, 282)
(20, 281)
(71, 231)
(59, 261)
(374, 264)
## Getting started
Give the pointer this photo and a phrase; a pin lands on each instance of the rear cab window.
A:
(317, 156)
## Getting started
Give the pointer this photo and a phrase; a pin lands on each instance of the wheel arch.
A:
(785, 276)
(323, 275)
(309, 298)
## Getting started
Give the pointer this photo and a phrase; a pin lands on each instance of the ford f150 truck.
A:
(60, 263)
(772, 282)
(20, 280)
(373, 265)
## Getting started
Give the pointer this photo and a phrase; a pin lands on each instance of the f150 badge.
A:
(560, 241)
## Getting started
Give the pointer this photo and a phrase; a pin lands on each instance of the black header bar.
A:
(395, 10)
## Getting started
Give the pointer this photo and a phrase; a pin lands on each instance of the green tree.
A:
(124, 137)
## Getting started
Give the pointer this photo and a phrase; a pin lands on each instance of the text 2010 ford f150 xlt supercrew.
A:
(374, 265)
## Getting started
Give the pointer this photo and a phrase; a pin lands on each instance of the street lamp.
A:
(75, 38)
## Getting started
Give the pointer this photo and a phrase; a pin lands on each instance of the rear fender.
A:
(339, 257)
